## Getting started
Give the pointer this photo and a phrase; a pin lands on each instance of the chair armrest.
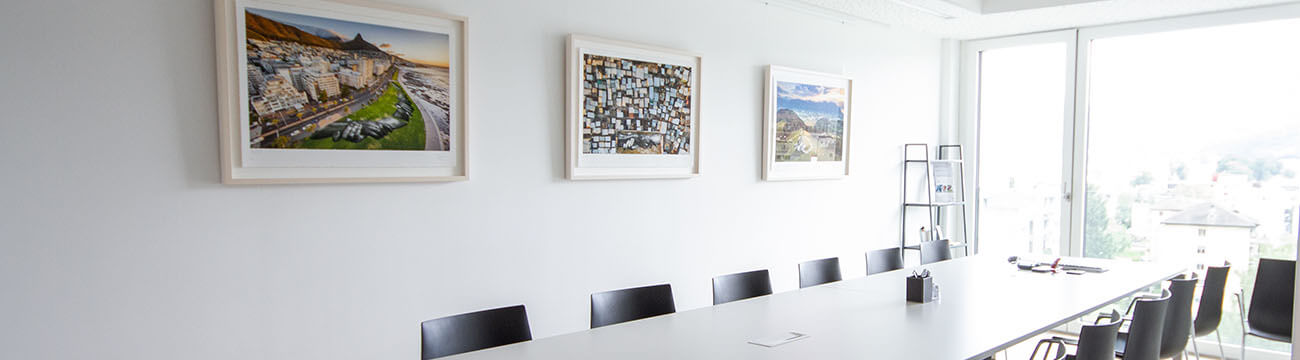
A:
(1066, 341)
(1060, 349)
(1241, 305)
(1132, 303)
(1099, 317)
(1122, 318)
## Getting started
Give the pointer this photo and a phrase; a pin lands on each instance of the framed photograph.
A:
(806, 125)
(633, 111)
(339, 91)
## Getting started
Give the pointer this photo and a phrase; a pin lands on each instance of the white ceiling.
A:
(971, 19)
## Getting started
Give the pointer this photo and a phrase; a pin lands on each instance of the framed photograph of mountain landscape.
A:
(633, 111)
(339, 91)
(806, 125)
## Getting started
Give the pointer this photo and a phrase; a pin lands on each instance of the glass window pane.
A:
(1192, 150)
(1021, 123)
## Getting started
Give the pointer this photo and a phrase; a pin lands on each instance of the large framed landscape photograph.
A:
(633, 111)
(806, 125)
(339, 91)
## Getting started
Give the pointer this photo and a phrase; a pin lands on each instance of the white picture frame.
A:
(670, 148)
(779, 161)
(244, 163)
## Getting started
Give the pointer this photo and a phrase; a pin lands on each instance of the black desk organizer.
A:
(920, 287)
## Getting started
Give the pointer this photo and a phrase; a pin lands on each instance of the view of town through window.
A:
(1192, 151)
(1192, 154)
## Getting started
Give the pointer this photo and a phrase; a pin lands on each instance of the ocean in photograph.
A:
(635, 107)
(310, 86)
(809, 122)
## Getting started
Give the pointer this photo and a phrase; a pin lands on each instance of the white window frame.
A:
(969, 125)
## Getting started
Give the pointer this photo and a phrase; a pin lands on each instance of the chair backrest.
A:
(935, 251)
(883, 260)
(473, 331)
(1144, 332)
(1097, 342)
(1210, 311)
(1178, 319)
(740, 286)
(1272, 297)
(612, 307)
(817, 272)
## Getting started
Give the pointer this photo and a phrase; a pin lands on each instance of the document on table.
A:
(778, 340)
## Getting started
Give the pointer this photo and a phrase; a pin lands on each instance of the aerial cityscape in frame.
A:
(325, 83)
(635, 107)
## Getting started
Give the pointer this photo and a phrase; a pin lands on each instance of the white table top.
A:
(985, 305)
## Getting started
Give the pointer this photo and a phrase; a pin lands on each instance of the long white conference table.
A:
(985, 305)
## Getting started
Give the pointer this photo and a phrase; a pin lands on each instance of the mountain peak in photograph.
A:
(358, 43)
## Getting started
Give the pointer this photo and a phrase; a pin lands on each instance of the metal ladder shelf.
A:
(933, 209)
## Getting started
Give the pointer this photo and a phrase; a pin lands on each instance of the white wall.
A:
(118, 242)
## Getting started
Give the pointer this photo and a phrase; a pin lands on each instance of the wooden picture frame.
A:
(794, 149)
(629, 115)
(300, 102)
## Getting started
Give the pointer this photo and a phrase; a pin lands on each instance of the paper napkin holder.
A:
(920, 289)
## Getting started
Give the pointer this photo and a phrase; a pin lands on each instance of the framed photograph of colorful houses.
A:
(339, 91)
(633, 111)
(806, 125)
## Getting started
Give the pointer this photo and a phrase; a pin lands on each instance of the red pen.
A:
(1055, 263)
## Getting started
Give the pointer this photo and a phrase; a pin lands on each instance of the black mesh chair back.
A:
(1142, 342)
(1097, 341)
(1210, 311)
(935, 251)
(1178, 319)
(883, 260)
(474, 331)
(612, 307)
(817, 272)
(1271, 299)
(740, 286)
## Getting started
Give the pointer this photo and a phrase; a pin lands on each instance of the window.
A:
(1023, 105)
(1178, 143)
(1151, 94)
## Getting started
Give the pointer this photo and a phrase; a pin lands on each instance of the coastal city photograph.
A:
(635, 107)
(323, 83)
(809, 122)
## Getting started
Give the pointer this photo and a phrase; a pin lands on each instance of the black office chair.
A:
(817, 272)
(883, 260)
(1096, 341)
(612, 307)
(1142, 341)
(935, 251)
(740, 286)
(1210, 311)
(474, 331)
(1178, 319)
(1270, 302)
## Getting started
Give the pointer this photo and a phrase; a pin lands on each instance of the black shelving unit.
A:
(934, 210)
